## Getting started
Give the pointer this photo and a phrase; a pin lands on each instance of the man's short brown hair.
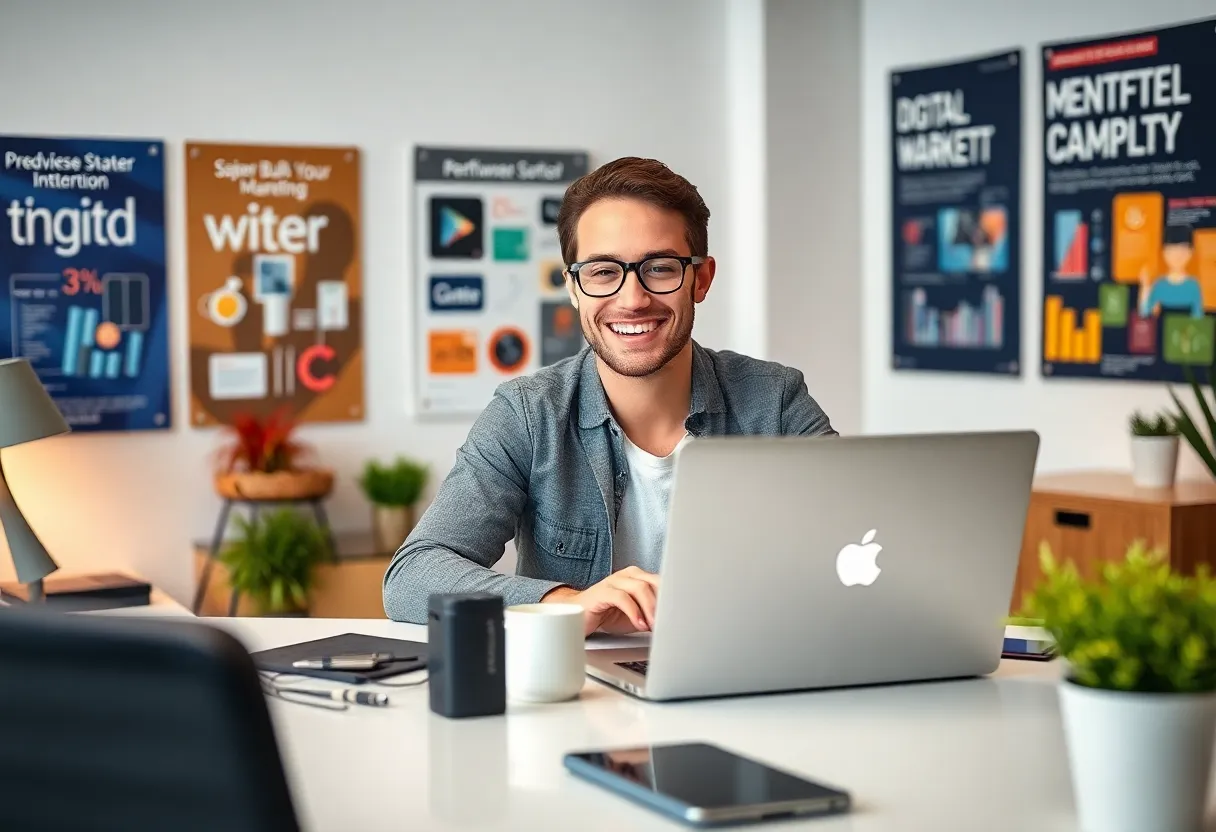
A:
(634, 178)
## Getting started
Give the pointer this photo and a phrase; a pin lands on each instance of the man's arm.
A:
(801, 414)
(475, 512)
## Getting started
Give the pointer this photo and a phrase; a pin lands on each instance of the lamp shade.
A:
(26, 409)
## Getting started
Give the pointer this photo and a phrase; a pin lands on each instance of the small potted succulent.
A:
(393, 490)
(1154, 450)
(263, 461)
(272, 559)
(1138, 694)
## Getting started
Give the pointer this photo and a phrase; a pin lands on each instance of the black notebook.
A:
(407, 656)
(83, 593)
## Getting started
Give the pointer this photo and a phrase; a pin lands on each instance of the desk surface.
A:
(975, 754)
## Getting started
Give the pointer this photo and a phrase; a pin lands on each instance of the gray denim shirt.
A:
(544, 464)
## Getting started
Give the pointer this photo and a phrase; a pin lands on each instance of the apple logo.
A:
(855, 564)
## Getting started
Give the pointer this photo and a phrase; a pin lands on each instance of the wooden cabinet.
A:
(347, 587)
(1093, 517)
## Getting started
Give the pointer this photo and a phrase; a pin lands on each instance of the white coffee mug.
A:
(545, 660)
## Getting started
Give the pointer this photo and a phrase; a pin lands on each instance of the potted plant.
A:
(1189, 428)
(393, 489)
(262, 461)
(1154, 450)
(272, 558)
(1138, 698)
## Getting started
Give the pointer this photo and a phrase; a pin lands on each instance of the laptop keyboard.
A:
(636, 667)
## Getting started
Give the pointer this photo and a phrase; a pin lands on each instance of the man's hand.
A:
(624, 602)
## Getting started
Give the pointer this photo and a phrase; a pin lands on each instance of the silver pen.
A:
(350, 661)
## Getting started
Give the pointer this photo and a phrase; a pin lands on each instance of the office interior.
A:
(777, 110)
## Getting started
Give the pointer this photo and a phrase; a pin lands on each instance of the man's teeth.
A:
(633, 329)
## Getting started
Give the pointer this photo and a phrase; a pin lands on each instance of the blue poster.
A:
(82, 265)
(1129, 204)
(956, 148)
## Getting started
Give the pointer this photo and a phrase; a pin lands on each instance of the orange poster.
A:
(273, 238)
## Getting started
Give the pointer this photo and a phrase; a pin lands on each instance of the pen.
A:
(354, 661)
(358, 697)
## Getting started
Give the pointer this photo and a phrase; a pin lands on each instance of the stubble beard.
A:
(640, 366)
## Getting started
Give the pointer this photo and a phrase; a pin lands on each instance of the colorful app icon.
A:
(1112, 300)
(452, 352)
(456, 227)
(511, 244)
(457, 293)
(509, 349)
(552, 276)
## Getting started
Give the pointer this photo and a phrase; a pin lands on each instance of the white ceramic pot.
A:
(1140, 762)
(1154, 461)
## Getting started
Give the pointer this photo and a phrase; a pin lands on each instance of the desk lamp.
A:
(26, 414)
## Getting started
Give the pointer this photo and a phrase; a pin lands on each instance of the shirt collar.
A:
(593, 410)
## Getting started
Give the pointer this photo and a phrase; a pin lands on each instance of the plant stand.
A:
(255, 507)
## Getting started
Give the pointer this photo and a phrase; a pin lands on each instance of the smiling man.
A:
(574, 462)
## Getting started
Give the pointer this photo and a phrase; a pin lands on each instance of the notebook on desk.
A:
(407, 657)
(81, 593)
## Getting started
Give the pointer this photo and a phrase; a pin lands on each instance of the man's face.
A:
(1176, 256)
(631, 230)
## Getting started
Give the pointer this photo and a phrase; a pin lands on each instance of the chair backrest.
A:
(132, 724)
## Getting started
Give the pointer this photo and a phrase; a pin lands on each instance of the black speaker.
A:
(466, 660)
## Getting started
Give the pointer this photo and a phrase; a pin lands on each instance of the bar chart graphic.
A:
(1071, 246)
(1071, 336)
(84, 358)
(966, 326)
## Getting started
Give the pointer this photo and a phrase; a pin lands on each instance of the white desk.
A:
(977, 754)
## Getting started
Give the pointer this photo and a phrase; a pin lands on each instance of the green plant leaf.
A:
(272, 559)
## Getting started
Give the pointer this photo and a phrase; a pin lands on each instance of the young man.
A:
(575, 461)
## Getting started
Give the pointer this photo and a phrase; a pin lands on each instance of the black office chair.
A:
(133, 724)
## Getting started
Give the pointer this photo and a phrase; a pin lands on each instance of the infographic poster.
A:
(273, 237)
(956, 145)
(1129, 204)
(491, 300)
(82, 260)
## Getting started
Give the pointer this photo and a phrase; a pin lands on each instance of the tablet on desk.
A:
(407, 656)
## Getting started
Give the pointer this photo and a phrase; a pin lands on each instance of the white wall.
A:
(382, 75)
(1082, 423)
(813, 79)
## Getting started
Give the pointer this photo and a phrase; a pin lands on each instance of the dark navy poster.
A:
(1129, 204)
(82, 260)
(956, 147)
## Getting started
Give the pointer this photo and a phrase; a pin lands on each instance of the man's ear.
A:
(705, 276)
(571, 290)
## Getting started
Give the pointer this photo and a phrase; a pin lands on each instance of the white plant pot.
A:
(1140, 762)
(1154, 461)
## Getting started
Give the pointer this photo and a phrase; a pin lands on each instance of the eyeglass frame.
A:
(635, 267)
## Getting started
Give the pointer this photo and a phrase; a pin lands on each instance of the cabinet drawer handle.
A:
(1075, 519)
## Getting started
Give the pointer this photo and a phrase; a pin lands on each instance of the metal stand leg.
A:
(217, 538)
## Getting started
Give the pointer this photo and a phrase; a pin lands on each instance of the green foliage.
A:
(1189, 428)
(1163, 425)
(273, 558)
(397, 484)
(1137, 627)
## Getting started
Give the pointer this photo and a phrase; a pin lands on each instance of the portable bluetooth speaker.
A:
(466, 656)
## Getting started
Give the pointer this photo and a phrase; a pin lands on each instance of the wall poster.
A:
(491, 302)
(82, 265)
(956, 148)
(1129, 204)
(273, 238)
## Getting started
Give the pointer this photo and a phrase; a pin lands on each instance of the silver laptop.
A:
(794, 563)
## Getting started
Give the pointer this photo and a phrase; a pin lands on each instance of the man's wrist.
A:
(558, 594)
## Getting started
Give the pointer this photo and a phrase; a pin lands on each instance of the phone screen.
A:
(706, 776)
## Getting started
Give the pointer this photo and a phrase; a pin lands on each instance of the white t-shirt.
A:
(641, 527)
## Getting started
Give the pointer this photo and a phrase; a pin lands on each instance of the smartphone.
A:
(706, 785)
(1029, 649)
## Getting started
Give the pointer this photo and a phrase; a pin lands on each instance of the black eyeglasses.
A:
(658, 275)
